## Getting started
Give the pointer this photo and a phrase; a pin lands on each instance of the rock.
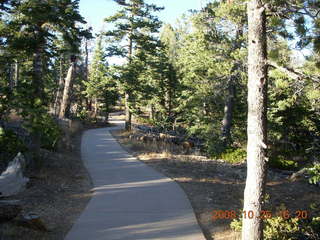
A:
(32, 221)
(163, 136)
(9, 210)
(187, 144)
(143, 138)
(12, 180)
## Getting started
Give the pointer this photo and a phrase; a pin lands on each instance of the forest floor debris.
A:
(55, 197)
(216, 185)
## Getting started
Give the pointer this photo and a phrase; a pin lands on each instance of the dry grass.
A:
(216, 185)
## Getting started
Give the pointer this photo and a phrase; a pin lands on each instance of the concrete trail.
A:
(131, 201)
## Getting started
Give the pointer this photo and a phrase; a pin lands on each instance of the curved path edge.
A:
(131, 201)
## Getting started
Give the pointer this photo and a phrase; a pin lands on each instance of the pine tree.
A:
(29, 31)
(101, 87)
(257, 120)
(134, 26)
(300, 11)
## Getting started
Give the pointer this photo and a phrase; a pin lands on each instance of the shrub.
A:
(278, 228)
(236, 155)
(50, 133)
(10, 145)
(236, 225)
(281, 162)
(314, 174)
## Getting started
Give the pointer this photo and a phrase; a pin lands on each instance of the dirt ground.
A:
(216, 185)
(57, 194)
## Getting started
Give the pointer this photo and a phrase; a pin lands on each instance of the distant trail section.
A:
(131, 201)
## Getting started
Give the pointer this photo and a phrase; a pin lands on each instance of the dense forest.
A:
(238, 79)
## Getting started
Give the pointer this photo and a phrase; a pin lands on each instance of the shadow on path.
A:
(131, 201)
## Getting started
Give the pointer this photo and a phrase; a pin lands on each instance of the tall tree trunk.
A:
(86, 61)
(59, 93)
(37, 86)
(95, 113)
(228, 110)
(170, 91)
(257, 130)
(66, 91)
(11, 76)
(16, 72)
(229, 105)
(151, 112)
(128, 117)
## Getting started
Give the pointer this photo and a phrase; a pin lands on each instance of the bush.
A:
(281, 162)
(215, 146)
(50, 132)
(236, 155)
(314, 174)
(278, 228)
(10, 145)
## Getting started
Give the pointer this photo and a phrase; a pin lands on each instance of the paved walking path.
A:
(131, 201)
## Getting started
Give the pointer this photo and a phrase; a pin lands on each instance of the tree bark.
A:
(228, 111)
(16, 72)
(58, 99)
(257, 130)
(229, 105)
(151, 112)
(66, 91)
(95, 113)
(127, 113)
(11, 77)
(37, 85)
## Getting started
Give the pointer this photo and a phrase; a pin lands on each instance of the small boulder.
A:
(12, 180)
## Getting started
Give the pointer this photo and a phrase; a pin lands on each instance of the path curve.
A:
(131, 201)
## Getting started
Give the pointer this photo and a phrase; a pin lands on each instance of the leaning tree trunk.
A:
(59, 93)
(66, 91)
(257, 130)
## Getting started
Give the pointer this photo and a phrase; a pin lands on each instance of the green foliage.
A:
(236, 155)
(9, 142)
(293, 124)
(314, 173)
(236, 225)
(279, 228)
(10, 145)
(83, 115)
(281, 162)
(50, 132)
(34, 36)
(101, 86)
